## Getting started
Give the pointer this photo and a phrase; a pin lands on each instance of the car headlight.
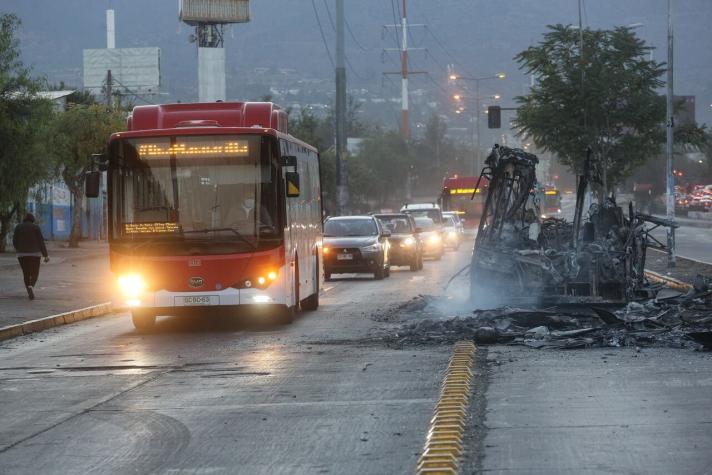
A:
(452, 234)
(372, 248)
(407, 242)
(132, 285)
(434, 239)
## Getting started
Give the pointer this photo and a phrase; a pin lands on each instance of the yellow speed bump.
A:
(443, 443)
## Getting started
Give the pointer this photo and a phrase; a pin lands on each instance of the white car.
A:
(451, 234)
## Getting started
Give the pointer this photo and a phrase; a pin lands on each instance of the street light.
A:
(476, 115)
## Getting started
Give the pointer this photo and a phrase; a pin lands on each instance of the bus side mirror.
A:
(289, 161)
(91, 184)
(292, 179)
(101, 161)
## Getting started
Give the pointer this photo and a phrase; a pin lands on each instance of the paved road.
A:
(218, 396)
(692, 242)
(207, 396)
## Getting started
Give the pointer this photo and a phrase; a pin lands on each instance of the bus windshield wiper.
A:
(234, 231)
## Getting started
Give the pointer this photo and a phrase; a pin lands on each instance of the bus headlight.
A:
(132, 285)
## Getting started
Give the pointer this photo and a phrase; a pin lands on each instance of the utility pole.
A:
(670, 201)
(405, 115)
(405, 71)
(341, 171)
(109, 82)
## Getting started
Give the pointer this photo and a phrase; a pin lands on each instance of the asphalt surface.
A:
(216, 395)
(691, 242)
(213, 395)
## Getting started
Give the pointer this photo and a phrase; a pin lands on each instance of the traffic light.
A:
(494, 117)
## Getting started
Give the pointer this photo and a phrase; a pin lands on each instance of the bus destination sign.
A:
(207, 148)
(151, 228)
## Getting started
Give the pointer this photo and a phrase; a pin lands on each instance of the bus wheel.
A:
(311, 303)
(143, 320)
(286, 315)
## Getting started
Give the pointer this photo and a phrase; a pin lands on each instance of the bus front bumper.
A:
(216, 298)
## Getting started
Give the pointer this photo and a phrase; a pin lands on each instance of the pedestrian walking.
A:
(30, 246)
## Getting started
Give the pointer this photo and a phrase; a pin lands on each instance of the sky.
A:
(476, 36)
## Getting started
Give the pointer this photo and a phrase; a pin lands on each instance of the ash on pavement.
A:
(670, 320)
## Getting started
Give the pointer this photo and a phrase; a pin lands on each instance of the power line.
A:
(130, 92)
(321, 31)
(445, 49)
(353, 37)
(352, 69)
(328, 12)
(395, 23)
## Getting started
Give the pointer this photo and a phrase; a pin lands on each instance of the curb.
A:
(669, 281)
(40, 324)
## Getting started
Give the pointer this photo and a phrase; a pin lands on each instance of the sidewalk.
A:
(73, 279)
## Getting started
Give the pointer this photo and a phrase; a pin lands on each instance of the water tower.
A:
(209, 18)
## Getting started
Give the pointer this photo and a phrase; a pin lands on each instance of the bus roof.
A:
(464, 182)
(217, 114)
(209, 118)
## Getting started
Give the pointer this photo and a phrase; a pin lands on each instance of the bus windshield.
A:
(552, 199)
(214, 191)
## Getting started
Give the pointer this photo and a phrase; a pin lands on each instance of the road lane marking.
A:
(443, 442)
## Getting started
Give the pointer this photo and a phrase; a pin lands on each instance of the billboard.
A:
(134, 69)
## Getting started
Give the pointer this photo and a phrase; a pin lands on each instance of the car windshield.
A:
(350, 227)
(396, 224)
(424, 223)
(433, 213)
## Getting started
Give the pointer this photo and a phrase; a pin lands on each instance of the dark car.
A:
(355, 244)
(406, 247)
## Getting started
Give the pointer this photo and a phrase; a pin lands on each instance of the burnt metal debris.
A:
(670, 319)
(522, 257)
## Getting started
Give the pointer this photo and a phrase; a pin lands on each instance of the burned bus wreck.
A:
(521, 257)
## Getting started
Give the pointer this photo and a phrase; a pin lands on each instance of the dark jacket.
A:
(28, 238)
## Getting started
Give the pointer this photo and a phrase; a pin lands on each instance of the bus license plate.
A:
(198, 300)
(344, 257)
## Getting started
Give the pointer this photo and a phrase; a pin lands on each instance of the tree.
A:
(605, 100)
(377, 174)
(23, 119)
(77, 133)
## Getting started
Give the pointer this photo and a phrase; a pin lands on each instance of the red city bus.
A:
(213, 206)
(457, 196)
